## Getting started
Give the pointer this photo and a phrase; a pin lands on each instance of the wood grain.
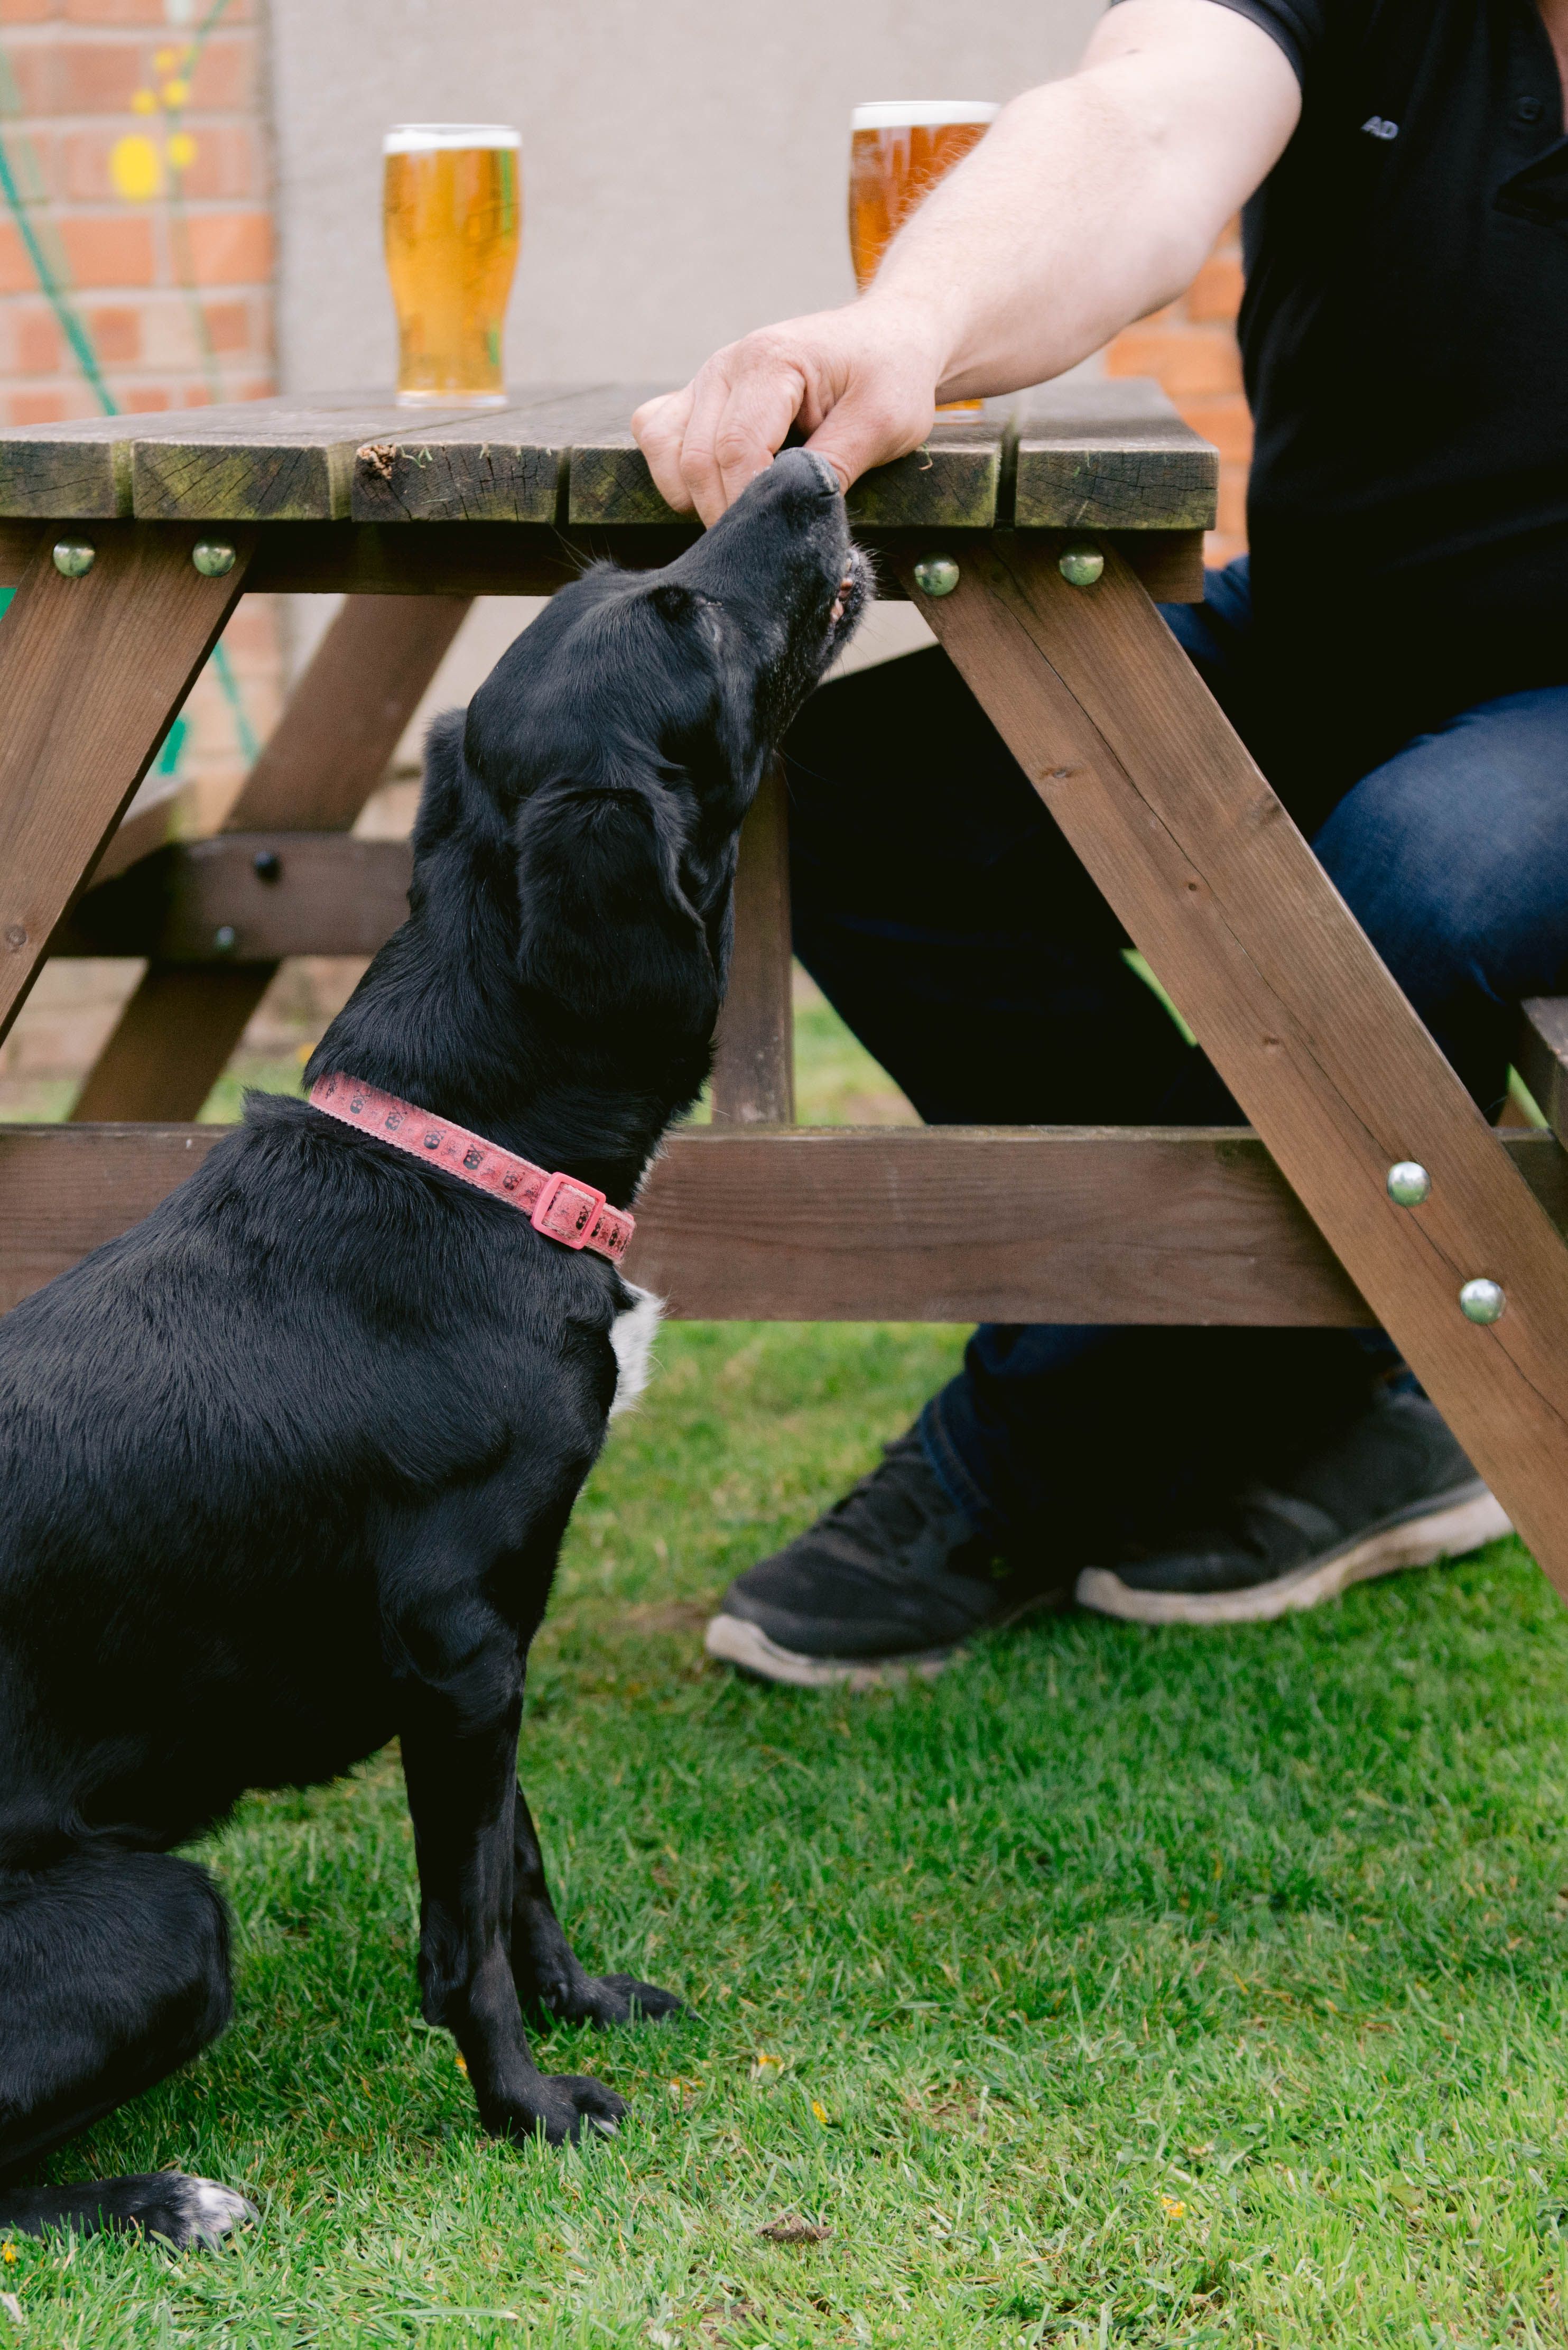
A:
(502, 465)
(323, 760)
(1218, 889)
(1110, 455)
(293, 463)
(285, 458)
(1079, 1224)
(312, 893)
(93, 672)
(753, 1051)
(953, 481)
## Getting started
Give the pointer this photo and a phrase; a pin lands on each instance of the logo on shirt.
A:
(1375, 126)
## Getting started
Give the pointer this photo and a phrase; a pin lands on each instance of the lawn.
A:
(1118, 1987)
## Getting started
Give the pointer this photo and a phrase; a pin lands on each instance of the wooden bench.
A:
(1066, 513)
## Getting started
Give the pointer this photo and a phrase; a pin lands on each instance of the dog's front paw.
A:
(603, 2000)
(559, 2107)
(180, 2209)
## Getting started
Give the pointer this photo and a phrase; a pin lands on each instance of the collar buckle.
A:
(566, 1210)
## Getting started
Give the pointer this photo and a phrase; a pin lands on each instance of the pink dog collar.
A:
(556, 1205)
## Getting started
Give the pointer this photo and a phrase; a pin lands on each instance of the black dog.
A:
(283, 1470)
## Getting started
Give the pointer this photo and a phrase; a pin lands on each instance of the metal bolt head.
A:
(1080, 566)
(213, 558)
(936, 575)
(267, 865)
(1409, 1183)
(224, 938)
(1482, 1301)
(74, 558)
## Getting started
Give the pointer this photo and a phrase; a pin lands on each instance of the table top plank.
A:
(294, 462)
(1110, 454)
(497, 465)
(953, 481)
(1091, 453)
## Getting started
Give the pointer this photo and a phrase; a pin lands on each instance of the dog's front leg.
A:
(549, 1974)
(461, 1701)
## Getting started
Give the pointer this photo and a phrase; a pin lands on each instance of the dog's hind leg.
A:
(113, 1970)
(549, 1976)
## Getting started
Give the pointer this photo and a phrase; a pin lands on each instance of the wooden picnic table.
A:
(1066, 513)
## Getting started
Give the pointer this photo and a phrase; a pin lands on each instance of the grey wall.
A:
(683, 166)
(683, 161)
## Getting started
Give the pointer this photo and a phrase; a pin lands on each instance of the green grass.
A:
(1119, 1987)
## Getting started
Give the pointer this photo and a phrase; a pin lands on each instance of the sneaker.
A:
(1392, 1489)
(891, 1581)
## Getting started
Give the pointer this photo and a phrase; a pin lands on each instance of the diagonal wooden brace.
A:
(93, 672)
(1225, 898)
(324, 757)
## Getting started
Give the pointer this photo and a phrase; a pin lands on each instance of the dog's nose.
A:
(827, 471)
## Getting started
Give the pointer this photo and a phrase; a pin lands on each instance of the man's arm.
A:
(1090, 202)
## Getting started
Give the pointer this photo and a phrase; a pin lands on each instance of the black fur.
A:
(283, 1470)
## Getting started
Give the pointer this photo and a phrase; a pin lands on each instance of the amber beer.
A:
(453, 218)
(899, 150)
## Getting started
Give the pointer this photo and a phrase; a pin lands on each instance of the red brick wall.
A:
(147, 176)
(144, 174)
(1191, 347)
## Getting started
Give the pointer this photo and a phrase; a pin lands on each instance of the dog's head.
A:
(622, 738)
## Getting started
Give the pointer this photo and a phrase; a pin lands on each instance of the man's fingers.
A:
(860, 432)
(764, 400)
(659, 427)
(699, 465)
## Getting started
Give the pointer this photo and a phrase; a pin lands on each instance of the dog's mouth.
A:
(854, 589)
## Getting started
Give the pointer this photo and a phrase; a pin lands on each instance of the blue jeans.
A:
(941, 912)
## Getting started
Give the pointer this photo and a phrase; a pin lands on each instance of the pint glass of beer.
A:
(452, 216)
(899, 150)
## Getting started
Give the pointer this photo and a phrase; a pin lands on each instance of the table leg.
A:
(1224, 896)
(92, 673)
(753, 1051)
(325, 757)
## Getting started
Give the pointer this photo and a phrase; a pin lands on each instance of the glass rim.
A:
(920, 113)
(423, 138)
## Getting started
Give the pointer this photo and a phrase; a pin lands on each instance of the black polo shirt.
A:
(1404, 342)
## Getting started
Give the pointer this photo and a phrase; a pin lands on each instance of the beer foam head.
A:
(420, 138)
(920, 113)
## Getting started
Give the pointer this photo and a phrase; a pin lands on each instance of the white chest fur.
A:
(632, 1334)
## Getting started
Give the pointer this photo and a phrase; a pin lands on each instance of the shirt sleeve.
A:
(1297, 26)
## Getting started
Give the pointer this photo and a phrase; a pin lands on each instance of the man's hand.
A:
(861, 383)
(1088, 203)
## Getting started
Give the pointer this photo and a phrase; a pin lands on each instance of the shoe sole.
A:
(1460, 1525)
(736, 1642)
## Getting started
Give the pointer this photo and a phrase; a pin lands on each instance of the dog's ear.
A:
(607, 922)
